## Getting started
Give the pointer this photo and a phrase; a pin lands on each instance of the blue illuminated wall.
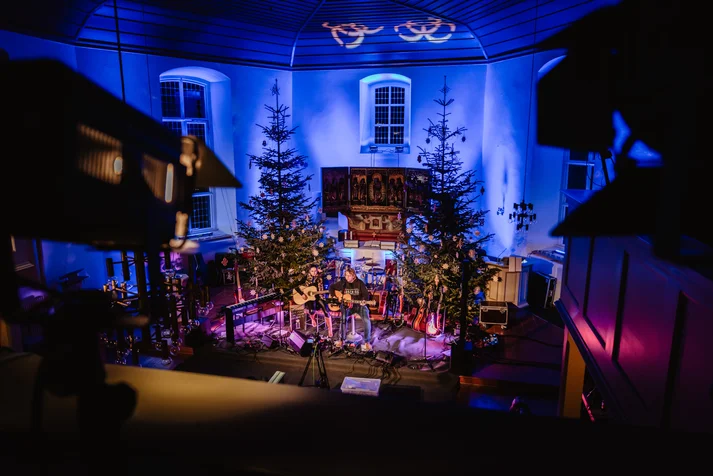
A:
(493, 102)
(514, 165)
(326, 108)
(235, 133)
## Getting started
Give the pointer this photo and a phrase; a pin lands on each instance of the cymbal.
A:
(376, 270)
(363, 259)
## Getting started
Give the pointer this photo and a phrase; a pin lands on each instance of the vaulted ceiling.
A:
(304, 34)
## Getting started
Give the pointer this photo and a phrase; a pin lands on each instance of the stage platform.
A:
(525, 362)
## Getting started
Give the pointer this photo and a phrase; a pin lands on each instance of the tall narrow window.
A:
(183, 107)
(389, 112)
(582, 171)
(385, 113)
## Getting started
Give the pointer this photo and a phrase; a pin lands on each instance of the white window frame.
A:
(367, 111)
(208, 139)
(591, 163)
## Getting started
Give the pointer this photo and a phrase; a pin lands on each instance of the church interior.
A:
(234, 227)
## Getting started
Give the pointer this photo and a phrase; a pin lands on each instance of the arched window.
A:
(385, 113)
(191, 99)
(184, 111)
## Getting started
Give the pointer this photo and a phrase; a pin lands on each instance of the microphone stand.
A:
(425, 336)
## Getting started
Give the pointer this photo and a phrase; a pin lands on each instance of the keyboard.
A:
(239, 307)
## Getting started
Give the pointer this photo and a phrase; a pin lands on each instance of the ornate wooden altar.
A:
(375, 200)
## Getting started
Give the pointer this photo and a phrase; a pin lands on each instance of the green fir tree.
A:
(282, 238)
(447, 231)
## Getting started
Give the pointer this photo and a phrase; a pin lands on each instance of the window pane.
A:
(382, 135)
(173, 126)
(382, 115)
(196, 129)
(170, 99)
(397, 115)
(382, 96)
(200, 218)
(577, 177)
(398, 95)
(578, 156)
(193, 100)
(397, 135)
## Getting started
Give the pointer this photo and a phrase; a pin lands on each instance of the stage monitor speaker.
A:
(269, 342)
(301, 344)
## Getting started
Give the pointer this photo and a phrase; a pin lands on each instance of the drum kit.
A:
(368, 271)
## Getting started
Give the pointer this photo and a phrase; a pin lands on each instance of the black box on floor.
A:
(494, 312)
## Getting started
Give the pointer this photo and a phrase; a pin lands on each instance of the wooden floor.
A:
(525, 363)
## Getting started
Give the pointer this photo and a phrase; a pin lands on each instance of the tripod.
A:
(316, 355)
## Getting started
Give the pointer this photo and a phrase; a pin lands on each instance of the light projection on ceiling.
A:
(433, 30)
(426, 29)
(350, 30)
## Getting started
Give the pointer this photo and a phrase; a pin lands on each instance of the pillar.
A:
(571, 380)
(11, 336)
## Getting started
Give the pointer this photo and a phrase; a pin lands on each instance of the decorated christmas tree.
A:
(282, 238)
(438, 240)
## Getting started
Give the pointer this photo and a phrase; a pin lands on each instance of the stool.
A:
(352, 336)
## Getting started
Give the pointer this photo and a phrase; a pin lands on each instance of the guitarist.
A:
(357, 291)
(314, 278)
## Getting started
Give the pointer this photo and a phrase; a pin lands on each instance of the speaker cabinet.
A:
(301, 344)
(541, 290)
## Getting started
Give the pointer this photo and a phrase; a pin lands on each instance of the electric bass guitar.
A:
(306, 294)
(346, 299)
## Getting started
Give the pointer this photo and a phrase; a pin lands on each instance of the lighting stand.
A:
(425, 351)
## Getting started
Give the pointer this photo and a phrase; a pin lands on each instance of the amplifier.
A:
(541, 290)
(494, 312)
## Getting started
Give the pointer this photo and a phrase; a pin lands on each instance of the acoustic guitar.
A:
(333, 304)
(306, 294)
